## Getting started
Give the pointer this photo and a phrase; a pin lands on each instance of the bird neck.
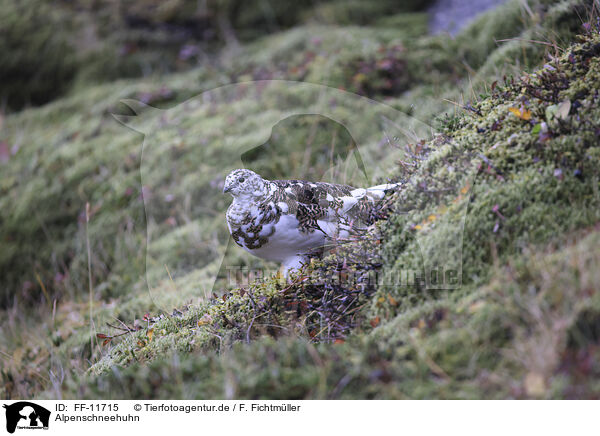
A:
(243, 204)
(260, 193)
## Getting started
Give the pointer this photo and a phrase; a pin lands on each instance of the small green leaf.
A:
(551, 111)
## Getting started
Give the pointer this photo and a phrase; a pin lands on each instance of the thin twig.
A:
(530, 40)
(89, 261)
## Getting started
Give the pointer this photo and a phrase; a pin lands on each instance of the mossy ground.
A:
(523, 324)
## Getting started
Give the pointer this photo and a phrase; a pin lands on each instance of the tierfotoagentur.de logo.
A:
(24, 415)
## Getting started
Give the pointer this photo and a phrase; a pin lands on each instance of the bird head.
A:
(244, 183)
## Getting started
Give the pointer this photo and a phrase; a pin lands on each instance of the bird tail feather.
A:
(381, 190)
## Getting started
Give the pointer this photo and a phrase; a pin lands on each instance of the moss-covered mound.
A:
(532, 332)
(522, 325)
(48, 47)
(530, 149)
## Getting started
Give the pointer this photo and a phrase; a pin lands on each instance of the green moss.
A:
(484, 345)
(530, 187)
(28, 75)
(101, 41)
(361, 13)
(415, 353)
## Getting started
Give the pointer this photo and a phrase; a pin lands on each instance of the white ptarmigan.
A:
(288, 221)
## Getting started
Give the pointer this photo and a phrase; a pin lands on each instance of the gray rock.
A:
(452, 15)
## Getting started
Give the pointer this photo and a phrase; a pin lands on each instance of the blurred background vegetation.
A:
(50, 46)
(72, 198)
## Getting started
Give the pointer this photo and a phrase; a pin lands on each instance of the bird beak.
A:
(226, 189)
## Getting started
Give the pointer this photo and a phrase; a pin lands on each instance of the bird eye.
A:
(241, 180)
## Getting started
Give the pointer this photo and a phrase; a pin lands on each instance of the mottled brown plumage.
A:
(290, 220)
